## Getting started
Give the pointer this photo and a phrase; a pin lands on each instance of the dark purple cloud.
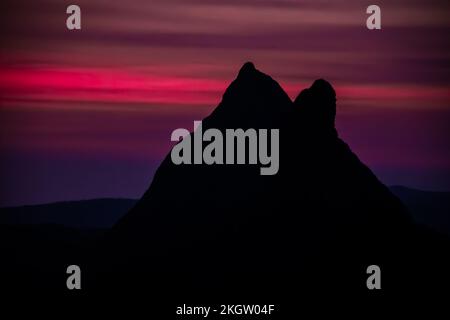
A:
(143, 68)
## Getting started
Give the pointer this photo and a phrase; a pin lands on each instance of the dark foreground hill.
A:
(428, 208)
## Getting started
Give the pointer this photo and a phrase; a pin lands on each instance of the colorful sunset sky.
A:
(88, 113)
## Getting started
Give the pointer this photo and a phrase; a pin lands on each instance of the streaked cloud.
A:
(138, 69)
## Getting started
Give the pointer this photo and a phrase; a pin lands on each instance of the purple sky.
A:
(89, 113)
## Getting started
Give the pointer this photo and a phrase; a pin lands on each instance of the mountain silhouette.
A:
(314, 227)
(218, 234)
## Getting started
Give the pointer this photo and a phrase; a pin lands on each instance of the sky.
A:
(88, 113)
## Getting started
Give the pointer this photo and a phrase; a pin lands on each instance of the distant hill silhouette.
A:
(95, 213)
(429, 208)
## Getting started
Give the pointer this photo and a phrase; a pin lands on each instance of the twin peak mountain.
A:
(323, 202)
(318, 176)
